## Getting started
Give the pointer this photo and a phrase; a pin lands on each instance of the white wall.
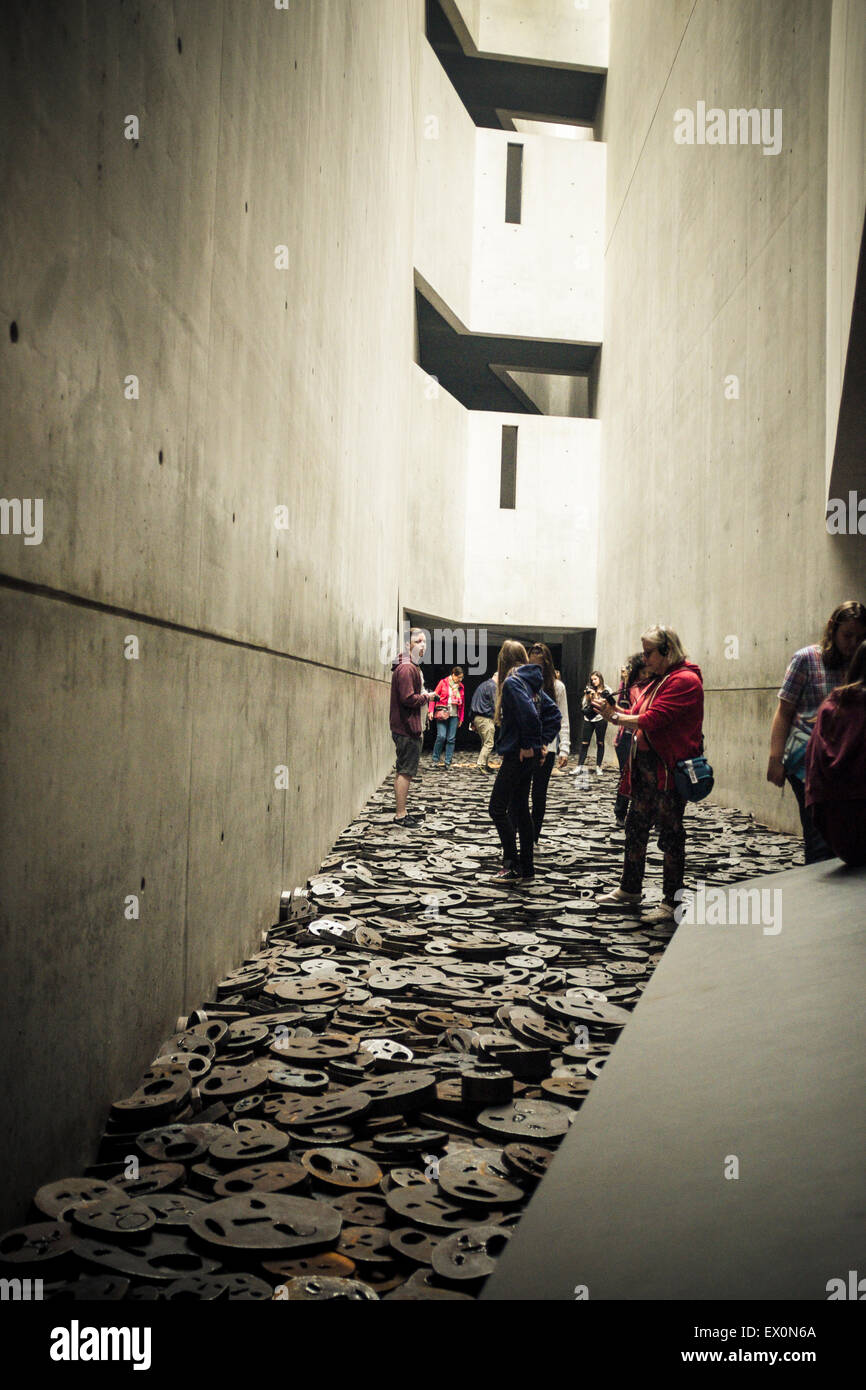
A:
(543, 277)
(435, 529)
(444, 187)
(536, 564)
(557, 32)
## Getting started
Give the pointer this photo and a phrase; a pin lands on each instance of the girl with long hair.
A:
(836, 766)
(527, 721)
(813, 672)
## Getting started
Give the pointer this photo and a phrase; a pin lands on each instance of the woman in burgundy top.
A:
(666, 721)
(836, 766)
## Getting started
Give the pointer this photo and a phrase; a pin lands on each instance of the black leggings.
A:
(600, 729)
(540, 783)
(509, 806)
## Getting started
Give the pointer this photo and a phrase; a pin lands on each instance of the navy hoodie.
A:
(530, 719)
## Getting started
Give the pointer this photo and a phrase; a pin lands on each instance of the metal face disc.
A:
(342, 1168)
(534, 1120)
(470, 1254)
(318, 1287)
(261, 1177)
(267, 1221)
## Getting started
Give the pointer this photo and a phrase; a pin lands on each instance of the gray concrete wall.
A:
(846, 202)
(259, 387)
(712, 504)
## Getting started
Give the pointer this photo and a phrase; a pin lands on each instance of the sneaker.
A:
(617, 898)
(599, 770)
(505, 875)
(408, 821)
(662, 912)
(620, 824)
(524, 880)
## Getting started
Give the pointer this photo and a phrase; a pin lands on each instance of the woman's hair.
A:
(849, 611)
(457, 671)
(856, 680)
(633, 668)
(547, 667)
(600, 677)
(511, 654)
(667, 642)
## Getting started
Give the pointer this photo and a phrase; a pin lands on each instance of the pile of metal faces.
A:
(367, 1104)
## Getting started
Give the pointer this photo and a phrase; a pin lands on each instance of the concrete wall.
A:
(445, 186)
(846, 197)
(435, 529)
(556, 32)
(259, 387)
(712, 505)
(534, 565)
(544, 276)
(553, 394)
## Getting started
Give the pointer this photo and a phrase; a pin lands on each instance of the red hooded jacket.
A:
(670, 715)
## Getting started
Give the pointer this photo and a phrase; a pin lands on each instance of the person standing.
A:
(408, 694)
(563, 742)
(836, 766)
(540, 655)
(481, 711)
(527, 720)
(811, 675)
(593, 722)
(446, 708)
(633, 676)
(666, 721)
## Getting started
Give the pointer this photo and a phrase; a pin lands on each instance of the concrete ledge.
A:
(746, 1045)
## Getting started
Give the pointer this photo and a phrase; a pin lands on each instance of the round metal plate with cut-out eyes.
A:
(478, 1175)
(261, 1177)
(118, 1217)
(248, 1141)
(267, 1221)
(319, 1287)
(39, 1244)
(471, 1253)
(342, 1168)
(534, 1120)
(56, 1198)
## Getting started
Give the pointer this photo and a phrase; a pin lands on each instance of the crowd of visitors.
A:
(520, 714)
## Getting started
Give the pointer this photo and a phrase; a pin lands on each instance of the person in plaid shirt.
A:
(812, 673)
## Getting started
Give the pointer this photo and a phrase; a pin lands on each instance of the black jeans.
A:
(600, 730)
(622, 751)
(511, 793)
(540, 783)
(815, 846)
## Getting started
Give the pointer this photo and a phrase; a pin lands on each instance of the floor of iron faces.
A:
(371, 1100)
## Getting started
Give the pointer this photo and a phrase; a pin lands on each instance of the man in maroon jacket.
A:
(408, 694)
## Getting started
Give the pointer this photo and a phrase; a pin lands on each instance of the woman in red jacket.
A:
(836, 766)
(446, 710)
(666, 723)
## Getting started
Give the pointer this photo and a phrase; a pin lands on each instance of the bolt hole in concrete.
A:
(142, 883)
(13, 331)
(160, 455)
(179, 46)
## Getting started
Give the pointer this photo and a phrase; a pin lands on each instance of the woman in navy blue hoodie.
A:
(527, 720)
